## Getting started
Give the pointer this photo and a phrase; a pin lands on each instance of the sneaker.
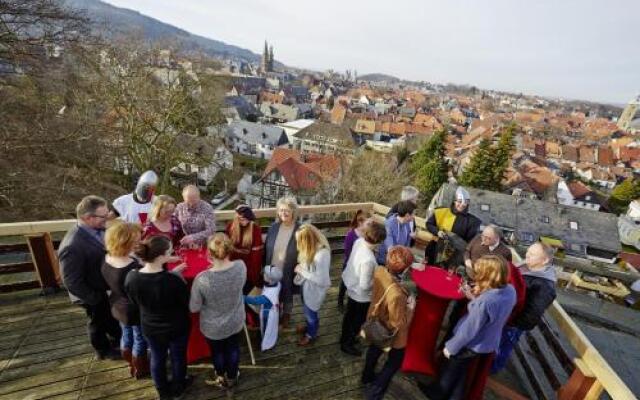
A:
(180, 390)
(216, 380)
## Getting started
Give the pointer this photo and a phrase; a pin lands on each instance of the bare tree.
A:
(150, 105)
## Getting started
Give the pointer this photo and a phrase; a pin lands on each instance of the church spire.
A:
(271, 58)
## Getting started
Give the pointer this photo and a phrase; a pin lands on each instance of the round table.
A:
(197, 260)
(436, 288)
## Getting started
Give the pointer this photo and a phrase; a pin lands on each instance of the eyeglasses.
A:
(100, 216)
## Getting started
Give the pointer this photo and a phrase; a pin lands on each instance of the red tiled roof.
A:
(578, 189)
(302, 172)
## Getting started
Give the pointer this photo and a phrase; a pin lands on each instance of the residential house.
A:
(570, 153)
(605, 156)
(242, 106)
(277, 113)
(292, 127)
(553, 149)
(292, 173)
(577, 194)
(587, 154)
(580, 232)
(326, 138)
(338, 112)
(206, 160)
(255, 140)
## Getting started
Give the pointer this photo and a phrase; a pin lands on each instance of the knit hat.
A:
(246, 212)
(272, 274)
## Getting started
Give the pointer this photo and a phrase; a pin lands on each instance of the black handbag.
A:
(374, 331)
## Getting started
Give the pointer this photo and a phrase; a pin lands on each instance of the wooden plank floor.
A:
(45, 354)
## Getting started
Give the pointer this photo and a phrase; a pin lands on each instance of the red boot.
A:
(141, 367)
(128, 357)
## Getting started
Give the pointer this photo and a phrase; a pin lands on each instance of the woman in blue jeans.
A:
(217, 295)
(120, 240)
(312, 273)
(163, 299)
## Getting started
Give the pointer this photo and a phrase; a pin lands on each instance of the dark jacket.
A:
(81, 257)
(475, 249)
(290, 261)
(465, 225)
(540, 294)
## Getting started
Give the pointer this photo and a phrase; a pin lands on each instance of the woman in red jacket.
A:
(246, 237)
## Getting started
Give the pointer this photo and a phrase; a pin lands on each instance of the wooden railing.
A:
(579, 372)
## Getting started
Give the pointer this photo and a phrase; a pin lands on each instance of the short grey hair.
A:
(290, 202)
(496, 230)
(410, 193)
(89, 205)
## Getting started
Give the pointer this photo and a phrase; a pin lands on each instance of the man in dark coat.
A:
(487, 242)
(456, 219)
(81, 255)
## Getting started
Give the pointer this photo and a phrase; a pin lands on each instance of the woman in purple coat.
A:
(355, 227)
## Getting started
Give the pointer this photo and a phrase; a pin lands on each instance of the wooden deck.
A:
(45, 353)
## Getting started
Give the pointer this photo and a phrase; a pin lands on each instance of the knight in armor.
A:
(136, 206)
(454, 219)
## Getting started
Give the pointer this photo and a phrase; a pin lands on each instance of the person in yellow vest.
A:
(455, 219)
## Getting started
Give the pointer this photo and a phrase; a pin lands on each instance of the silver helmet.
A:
(146, 186)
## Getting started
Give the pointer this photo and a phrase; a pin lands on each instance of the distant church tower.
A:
(266, 64)
(624, 122)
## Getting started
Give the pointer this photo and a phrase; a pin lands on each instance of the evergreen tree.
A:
(480, 172)
(623, 194)
(503, 155)
(488, 166)
(429, 167)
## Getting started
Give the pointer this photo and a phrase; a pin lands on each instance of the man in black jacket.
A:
(540, 279)
(81, 255)
(455, 219)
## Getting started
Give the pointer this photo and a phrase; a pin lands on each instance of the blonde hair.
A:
(291, 203)
(309, 240)
(220, 246)
(238, 236)
(159, 204)
(121, 237)
(490, 272)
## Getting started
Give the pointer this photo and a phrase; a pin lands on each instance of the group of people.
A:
(122, 265)
(501, 300)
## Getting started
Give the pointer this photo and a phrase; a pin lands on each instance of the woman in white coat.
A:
(312, 273)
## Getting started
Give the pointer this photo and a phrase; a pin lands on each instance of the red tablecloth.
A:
(436, 287)
(197, 261)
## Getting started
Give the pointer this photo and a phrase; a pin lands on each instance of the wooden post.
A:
(45, 261)
(581, 384)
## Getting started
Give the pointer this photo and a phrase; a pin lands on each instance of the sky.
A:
(571, 49)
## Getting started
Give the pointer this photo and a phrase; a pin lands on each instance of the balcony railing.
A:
(584, 374)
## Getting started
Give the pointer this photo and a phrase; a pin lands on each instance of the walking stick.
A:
(246, 333)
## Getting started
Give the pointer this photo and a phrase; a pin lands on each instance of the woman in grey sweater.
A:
(217, 295)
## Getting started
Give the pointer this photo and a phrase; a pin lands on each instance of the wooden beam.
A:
(6, 269)
(13, 287)
(26, 228)
(599, 367)
(503, 391)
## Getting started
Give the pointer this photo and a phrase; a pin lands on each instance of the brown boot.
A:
(128, 357)
(141, 366)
